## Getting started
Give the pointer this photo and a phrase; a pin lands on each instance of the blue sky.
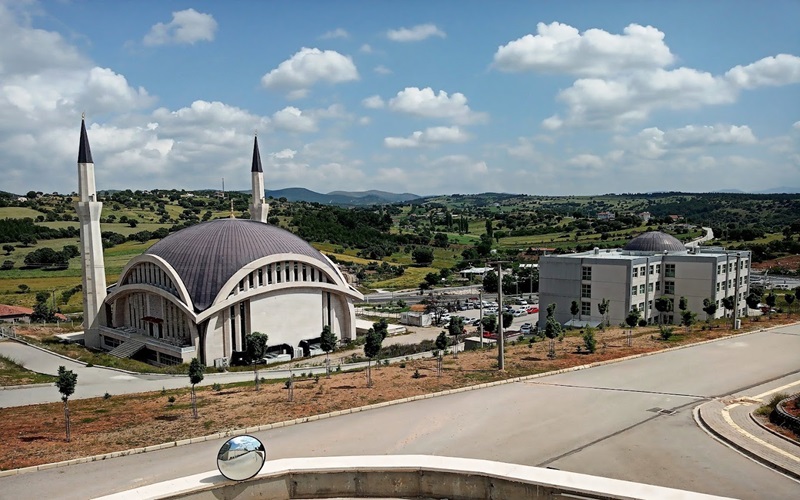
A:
(435, 97)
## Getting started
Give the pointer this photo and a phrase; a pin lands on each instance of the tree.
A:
(456, 328)
(602, 308)
(574, 310)
(23, 288)
(256, 350)
(789, 299)
(371, 349)
(552, 329)
(8, 249)
(489, 228)
(728, 303)
(441, 344)
(683, 304)
(66, 382)
(489, 323)
(381, 327)
(27, 239)
(710, 308)
(327, 343)
(195, 377)
(508, 318)
(588, 340)
(753, 300)
(688, 319)
(490, 282)
(440, 240)
(431, 279)
(632, 319)
(663, 305)
(772, 299)
(422, 255)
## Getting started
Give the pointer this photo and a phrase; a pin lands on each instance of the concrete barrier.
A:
(402, 476)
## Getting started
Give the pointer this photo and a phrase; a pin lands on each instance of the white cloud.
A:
(560, 48)
(187, 27)
(655, 143)
(373, 102)
(588, 161)
(308, 67)
(293, 120)
(366, 49)
(284, 154)
(382, 70)
(415, 34)
(631, 98)
(427, 104)
(337, 33)
(429, 137)
(783, 69)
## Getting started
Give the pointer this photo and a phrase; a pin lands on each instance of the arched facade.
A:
(289, 295)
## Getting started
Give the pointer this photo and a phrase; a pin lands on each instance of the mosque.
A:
(198, 292)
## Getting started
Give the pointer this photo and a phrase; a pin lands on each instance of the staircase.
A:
(127, 348)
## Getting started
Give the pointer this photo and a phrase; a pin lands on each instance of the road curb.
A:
(322, 416)
(698, 413)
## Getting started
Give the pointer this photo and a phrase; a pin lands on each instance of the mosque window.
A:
(260, 276)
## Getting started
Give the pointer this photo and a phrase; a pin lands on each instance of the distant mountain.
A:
(340, 197)
(786, 190)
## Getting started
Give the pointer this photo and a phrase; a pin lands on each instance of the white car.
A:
(274, 357)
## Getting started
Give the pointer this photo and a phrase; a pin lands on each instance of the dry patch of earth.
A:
(34, 434)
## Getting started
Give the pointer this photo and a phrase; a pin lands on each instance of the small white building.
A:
(650, 266)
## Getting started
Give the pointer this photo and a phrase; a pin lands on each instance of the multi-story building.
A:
(650, 266)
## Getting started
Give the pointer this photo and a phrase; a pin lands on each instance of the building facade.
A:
(200, 291)
(651, 266)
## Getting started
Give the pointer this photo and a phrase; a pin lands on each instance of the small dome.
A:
(206, 255)
(654, 241)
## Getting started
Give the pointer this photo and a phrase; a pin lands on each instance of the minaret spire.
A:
(258, 207)
(92, 265)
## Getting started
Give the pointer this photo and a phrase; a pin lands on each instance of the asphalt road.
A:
(597, 421)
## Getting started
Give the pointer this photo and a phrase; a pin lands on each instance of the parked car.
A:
(533, 309)
(522, 302)
(274, 357)
(525, 329)
(520, 312)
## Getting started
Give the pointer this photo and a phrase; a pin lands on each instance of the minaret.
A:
(258, 208)
(92, 267)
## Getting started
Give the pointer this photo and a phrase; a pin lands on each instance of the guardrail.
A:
(784, 418)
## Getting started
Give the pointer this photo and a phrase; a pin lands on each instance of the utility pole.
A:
(501, 359)
(480, 324)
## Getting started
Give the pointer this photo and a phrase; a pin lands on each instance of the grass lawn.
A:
(18, 213)
(13, 373)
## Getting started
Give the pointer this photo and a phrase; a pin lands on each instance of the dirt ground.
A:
(789, 262)
(35, 434)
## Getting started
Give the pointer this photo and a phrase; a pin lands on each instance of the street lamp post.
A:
(501, 360)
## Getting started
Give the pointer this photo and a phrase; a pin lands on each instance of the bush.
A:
(402, 365)
(665, 332)
(768, 408)
(106, 396)
(589, 341)
(416, 374)
(216, 387)
(642, 322)
(171, 400)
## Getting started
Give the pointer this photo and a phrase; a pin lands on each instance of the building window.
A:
(586, 273)
(641, 288)
(586, 291)
(642, 270)
(633, 289)
(241, 285)
(586, 308)
(250, 280)
(669, 270)
(719, 268)
(652, 268)
(669, 288)
(269, 274)
(260, 276)
(635, 272)
(641, 306)
(650, 305)
(658, 268)
(650, 287)
(718, 286)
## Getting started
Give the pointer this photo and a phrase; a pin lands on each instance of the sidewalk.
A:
(730, 419)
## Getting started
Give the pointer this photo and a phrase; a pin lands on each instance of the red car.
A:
(533, 309)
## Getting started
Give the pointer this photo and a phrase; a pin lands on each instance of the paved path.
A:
(708, 236)
(730, 419)
(603, 421)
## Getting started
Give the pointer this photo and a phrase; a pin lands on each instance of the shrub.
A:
(216, 387)
(402, 365)
(89, 364)
(171, 400)
(106, 396)
(416, 374)
(589, 341)
(642, 322)
(768, 408)
(665, 332)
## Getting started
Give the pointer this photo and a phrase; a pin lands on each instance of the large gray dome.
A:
(206, 255)
(654, 241)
